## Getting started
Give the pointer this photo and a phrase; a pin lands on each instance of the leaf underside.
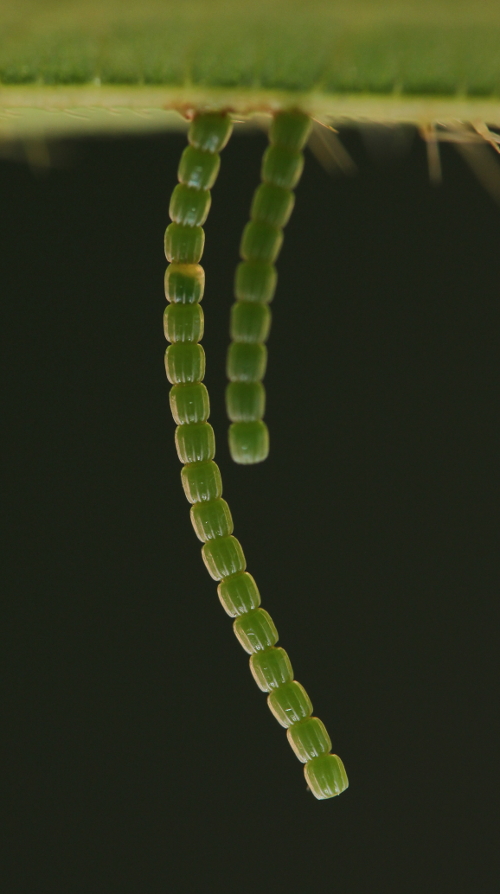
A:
(251, 55)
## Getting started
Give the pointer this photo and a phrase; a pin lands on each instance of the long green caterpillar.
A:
(195, 440)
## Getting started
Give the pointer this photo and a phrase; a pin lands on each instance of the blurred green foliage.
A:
(429, 47)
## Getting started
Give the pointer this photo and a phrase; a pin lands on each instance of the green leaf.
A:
(381, 58)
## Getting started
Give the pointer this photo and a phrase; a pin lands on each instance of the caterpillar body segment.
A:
(198, 168)
(248, 440)
(202, 482)
(255, 631)
(184, 284)
(309, 739)
(238, 594)
(223, 557)
(250, 323)
(255, 282)
(189, 403)
(271, 668)
(183, 322)
(211, 519)
(184, 244)
(195, 443)
(246, 362)
(189, 205)
(245, 401)
(326, 776)
(185, 362)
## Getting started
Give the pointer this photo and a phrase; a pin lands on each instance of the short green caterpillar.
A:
(190, 405)
(255, 284)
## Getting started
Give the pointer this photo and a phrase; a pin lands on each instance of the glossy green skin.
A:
(260, 242)
(185, 362)
(255, 631)
(189, 403)
(255, 281)
(201, 482)
(282, 167)
(271, 668)
(262, 238)
(195, 443)
(183, 322)
(250, 323)
(290, 703)
(210, 132)
(184, 283)
(245, 401)
(211, 520)
(198, 168)
(272, 205)
(184, 245)
(246, 362)
(189, 206)
(223, 557)
(309, 739)
(238, 594)
(248, 442)
(326, 776)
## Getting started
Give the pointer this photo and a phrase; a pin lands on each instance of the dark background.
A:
(140, 756)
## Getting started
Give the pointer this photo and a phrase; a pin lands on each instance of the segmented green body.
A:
(255, 283)
(194, 437)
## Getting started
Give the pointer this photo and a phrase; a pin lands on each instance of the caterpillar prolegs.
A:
(189, 401)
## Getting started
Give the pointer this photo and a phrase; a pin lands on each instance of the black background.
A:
(141, 757)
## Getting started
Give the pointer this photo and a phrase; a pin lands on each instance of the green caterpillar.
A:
(190, 404)
(255, 283)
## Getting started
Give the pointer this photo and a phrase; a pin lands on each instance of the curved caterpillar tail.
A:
(255, 284)
(201, 478)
